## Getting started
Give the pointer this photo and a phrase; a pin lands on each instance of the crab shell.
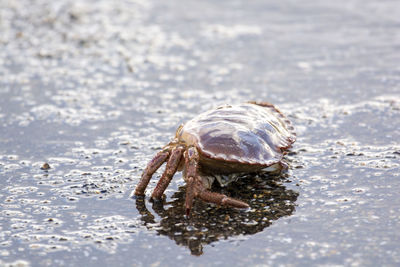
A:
(240, 138)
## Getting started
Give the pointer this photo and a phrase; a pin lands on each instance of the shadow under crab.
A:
(268, 197)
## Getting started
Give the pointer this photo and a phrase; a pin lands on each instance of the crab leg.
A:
(193, 183)
(151, 168)
(170, 169)
(196, 189)
(221, 199)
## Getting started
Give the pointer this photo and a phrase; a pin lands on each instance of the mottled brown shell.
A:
(246, 134)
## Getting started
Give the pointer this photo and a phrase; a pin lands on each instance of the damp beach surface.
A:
(91, 90)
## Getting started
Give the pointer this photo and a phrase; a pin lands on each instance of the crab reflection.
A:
(268, 197)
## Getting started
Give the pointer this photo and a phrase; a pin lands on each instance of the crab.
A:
(223, 143)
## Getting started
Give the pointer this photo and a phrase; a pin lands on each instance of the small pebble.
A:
(45, 166)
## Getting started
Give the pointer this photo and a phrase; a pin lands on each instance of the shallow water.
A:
(95, 88)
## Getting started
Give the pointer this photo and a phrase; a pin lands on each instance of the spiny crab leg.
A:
(151, 168)
(196, 189)
(170, 169)
(191, 172)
